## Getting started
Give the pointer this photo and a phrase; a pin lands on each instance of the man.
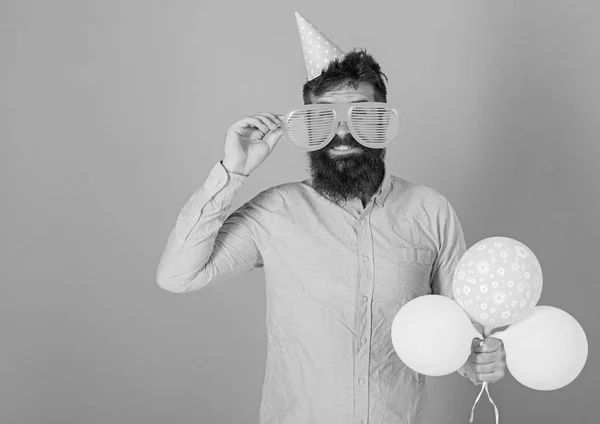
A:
(342, 252)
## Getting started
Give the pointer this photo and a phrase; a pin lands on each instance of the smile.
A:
(345, 150)
(344, 147)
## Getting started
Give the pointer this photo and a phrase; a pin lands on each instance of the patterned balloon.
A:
(497, 282)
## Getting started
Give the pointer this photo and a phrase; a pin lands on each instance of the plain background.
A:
(113, 113)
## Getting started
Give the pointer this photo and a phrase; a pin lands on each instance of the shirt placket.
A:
(365, 292)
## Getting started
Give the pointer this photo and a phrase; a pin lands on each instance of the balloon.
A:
(497, 282)
(432, 335)
(545, 351)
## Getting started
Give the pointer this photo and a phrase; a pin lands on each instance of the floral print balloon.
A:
(497, 282)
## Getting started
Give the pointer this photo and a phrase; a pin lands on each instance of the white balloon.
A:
(432, 335)
(546, 350)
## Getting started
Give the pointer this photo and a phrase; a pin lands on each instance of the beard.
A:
(346, 176)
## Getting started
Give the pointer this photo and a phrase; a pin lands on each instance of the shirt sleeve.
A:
(452, 247)
(206, 243)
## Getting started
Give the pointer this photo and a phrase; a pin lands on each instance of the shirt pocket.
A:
(414, 270)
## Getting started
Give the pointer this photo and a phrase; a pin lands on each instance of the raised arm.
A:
(205, 243)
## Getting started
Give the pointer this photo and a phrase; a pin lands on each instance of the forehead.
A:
(348, 94)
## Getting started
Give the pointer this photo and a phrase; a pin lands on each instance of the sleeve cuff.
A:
(219, 177)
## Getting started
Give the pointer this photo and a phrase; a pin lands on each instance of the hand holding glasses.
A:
(251, 139)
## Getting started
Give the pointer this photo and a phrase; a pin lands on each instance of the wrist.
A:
(232, 168)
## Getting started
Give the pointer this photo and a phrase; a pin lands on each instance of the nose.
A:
(342, 129)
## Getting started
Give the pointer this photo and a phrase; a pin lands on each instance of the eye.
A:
(319, 115)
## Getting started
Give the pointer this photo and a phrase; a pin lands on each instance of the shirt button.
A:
(361, 381)
(366, 258)
(362, 220)
(365, 299)
(363, 340)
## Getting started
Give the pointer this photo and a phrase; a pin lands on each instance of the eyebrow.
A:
(356, 101)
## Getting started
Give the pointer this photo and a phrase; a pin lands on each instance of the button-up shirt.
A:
(336, 275)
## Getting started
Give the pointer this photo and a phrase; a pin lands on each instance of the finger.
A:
(492, 377)
(267, 120)
(272, 116)
(273, 137)
(484, 358)
(493, 343)
(256, 134)
(474, 343)
(250, 121)
(488, 345)
(480, 347)
(485, 368)
(251, 132)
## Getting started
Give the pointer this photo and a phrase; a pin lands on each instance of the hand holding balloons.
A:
(487, 363)
(496, 283)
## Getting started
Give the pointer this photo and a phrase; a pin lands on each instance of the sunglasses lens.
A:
(376, 126)
(310, 129)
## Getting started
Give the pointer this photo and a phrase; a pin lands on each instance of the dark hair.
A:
(355, 67)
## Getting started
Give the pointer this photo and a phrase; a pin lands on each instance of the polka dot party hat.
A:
(318, 49)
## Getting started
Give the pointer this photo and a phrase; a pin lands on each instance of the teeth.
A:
(342, 148)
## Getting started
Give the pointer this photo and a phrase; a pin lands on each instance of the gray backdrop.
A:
(113, 112)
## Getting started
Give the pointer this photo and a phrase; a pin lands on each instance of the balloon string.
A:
(485, 387)
(477, 400)
(492, 402)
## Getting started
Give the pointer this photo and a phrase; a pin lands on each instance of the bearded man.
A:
(342, 251)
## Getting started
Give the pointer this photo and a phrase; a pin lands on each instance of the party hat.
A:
(318, 49)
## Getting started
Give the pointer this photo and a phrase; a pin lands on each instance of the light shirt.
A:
(336, 275)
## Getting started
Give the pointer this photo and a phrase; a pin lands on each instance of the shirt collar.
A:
(384, 188)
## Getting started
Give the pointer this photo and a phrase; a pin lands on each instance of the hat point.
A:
(318, 50)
